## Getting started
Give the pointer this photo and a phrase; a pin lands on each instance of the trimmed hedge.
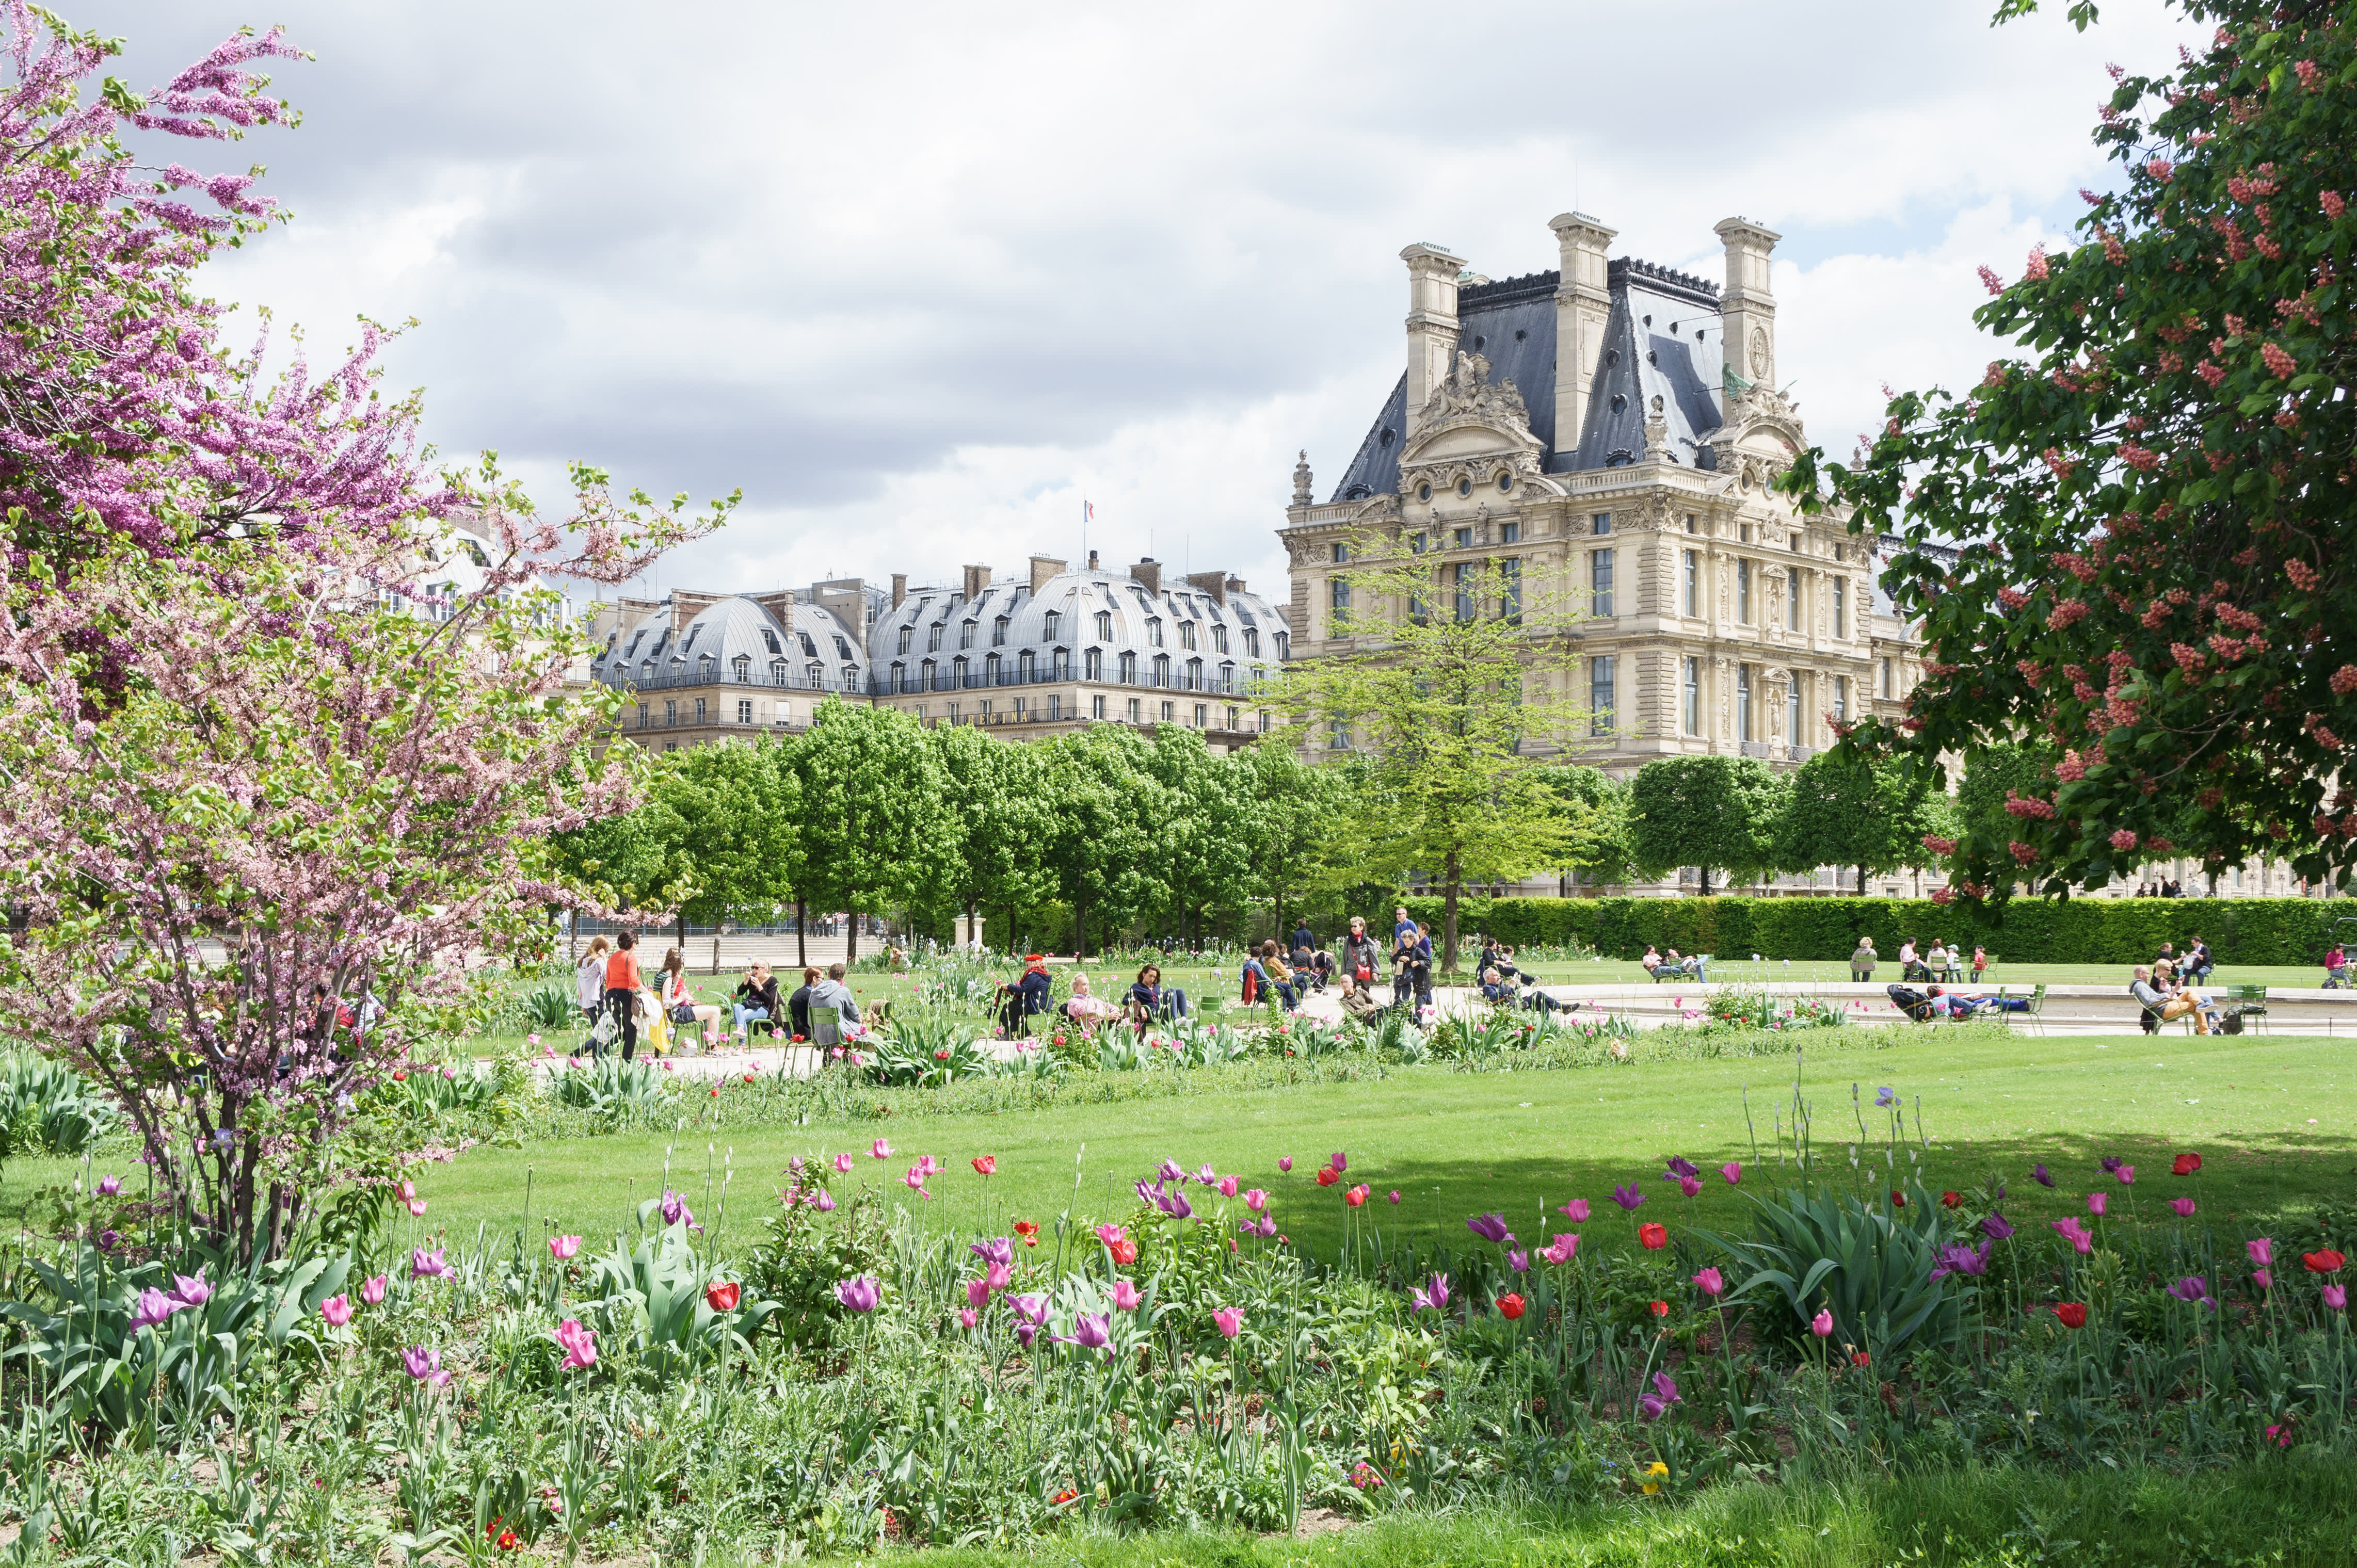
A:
(2083, 931)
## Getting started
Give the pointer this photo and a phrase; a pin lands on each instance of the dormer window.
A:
(1154, 631)
(841, 649)
(1105, 626)
(1251, 641)
(1186, 634)
(1284, 644)
(998, 632)
(1219, 640)
(809, 649)
(742, 667)
(933, 637)
(965, 635)
(1053, 622)
(769, 641)
(905, 633)
(635, 638)
(776, 671)
(693, 633)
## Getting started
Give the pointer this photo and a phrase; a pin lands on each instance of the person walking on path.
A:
(622, 990)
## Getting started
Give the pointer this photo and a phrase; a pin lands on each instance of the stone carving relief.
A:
(1467, 392)
(1760, 363)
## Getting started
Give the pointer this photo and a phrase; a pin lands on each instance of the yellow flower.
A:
(1656, 1468)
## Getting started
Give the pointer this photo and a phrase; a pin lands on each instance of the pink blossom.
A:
(1230, 1320)
(563, 1248)
(372, 1290)
(580, 1344)
(2037, 261)
(336, 1310)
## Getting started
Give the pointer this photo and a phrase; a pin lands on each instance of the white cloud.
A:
(918, 276)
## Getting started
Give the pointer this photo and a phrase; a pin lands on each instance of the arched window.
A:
(1023, 670)
(1129, 668)
(1162, 669)
(1105, 626)
(741, 668)
(1194, 674)
(1092, 664)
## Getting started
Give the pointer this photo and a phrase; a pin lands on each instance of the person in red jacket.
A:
(623, 989)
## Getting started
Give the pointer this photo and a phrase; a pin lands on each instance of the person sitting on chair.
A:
(1358, 1003)
(1652, 961)
(1149, 999)
(1861, 961)
(2198, 962)
(1026, 997)
(755, 1001)
(1085, 1008)
(2336, 968)
(2164, 1005)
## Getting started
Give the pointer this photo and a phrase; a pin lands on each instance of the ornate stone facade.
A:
(1710, 616)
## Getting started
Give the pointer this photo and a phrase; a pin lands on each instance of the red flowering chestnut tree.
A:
(2151, 496)
(264, 796)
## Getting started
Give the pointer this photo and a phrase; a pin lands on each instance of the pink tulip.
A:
(882, 1149)
(109, 1186)
(968, 1316)
(372, 1291)
(336, 1310)
(1710, 1283)
(1227, 1186)
(1230, 1320)
(580, 1344)
(417, 1208)
(1285, 1163)
(1576, 1211)
(1689, 1185)
(2096, 1202)
(1565, 1248)
(2262, 1278)
(2262, 1251)
(843, 1163)
(1255, 1200)
(998, 1276)
(2126, 1175)
(2082, 1238)
(1822, 1325)
(2184, 1207)
(1125, 1295)
(563, 1248)
(977, 1293)
(2336, 1298)
(915, 1181)
(1732, 1171)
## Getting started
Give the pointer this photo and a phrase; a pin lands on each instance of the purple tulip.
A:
(109, 1239)
(425, 1366)
(1178, 1207)
(1627, 1198)
(2336, 1298)
(155, 1308)
(2112, 1164)
(191, 1291)
(861, 1293)
(1091, 1331)
(1517, 1261)
(1689, 1185)
(675, 1210)
(108, 1185)
(1338, 1163)
(1663, 1394)
(1886, 1096)
(997, 1250)
(1149, 1192)
(1208, 1176)
(2192, 1288)
(1171, 1170)
(1395, 1195)
(823, 1202)
(1955, 1258)
(1997, 1228)
(1681, 1168)
(1433, 1300)
(1489, 1227)
(426, 1266)
(2041, 1176)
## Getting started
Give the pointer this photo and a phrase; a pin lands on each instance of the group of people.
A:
(2168, 993)
(1663, 966)
(615, 999)
(2173, 888)
(1937, 961)
(1020, 1001)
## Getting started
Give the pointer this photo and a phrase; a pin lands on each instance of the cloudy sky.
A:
(920, 279)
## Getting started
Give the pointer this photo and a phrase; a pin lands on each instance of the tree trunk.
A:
(1081, 926)
(1706, 880)
(1861, 879)
(1450, 870)
(801, 930)
(683, 936)
(851, 935)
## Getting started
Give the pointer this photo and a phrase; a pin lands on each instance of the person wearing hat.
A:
(1025, 997)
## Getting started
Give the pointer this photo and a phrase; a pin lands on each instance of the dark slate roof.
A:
(1511, 321)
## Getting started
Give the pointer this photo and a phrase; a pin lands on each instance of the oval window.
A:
(1505, 482)
(1464, 487)
(1424, 492)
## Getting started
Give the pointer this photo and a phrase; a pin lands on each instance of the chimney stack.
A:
(1748, 306)
(1149, 571)
(1093, 561)
(977, 582)
(899, 588)
(1042, 568)
(1431, 322)
(1212, 583)
(1583, 303)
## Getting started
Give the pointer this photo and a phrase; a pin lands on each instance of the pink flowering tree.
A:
(264, 795)
(2150, 490)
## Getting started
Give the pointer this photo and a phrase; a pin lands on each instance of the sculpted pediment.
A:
(1470, 415)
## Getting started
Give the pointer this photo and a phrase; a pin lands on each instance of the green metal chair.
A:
(2253, 1001)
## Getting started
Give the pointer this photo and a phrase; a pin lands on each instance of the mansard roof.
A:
(1075, 598)
(1512, 322)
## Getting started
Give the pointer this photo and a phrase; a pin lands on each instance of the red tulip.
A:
(1029, 1231)
(1952, 1200)
(2185, 1164)
(1356, 1196)
(2073, 1314)
(723, 1297)
(1898, 1199)
(986, 1165)
(2325, 1262)
(1327, 1178)
(1511, 1304)
(1659, 1308)
(1654, 1237)
(1860, 1359)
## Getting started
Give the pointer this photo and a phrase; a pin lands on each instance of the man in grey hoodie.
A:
(831, 1007)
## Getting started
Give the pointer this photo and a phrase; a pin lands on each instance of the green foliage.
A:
(872, 831)
(1868, 1263)
(1844, 810)
(650, 1300)
(611, 1089)
(803, 1254)
(47, 1108)
(1715, 813)
(2182, 373)
(1601, 814)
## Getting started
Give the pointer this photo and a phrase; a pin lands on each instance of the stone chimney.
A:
(1093, 561)
(1148, 573)
(1212, 583)
(1583, 302)
(1042, 568)
(977, 582)
(1431, 322)
(1235, 585)
(1748, 306)
(899, 588)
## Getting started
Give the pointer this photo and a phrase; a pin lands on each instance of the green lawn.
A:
(2275, 1123)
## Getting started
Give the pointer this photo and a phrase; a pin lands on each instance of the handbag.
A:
(683, 1012)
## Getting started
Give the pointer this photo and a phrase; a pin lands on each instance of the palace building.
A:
(1027, 656)
(1607, 433)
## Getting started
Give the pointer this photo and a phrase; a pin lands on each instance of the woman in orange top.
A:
(623, 989)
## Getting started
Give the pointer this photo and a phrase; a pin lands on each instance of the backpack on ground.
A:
(2232, 1024)
(1913, 1003)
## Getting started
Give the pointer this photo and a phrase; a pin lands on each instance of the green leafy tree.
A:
(1846, 809)
(1110, 809)
(1456, 690)
(2148, 491)
(874, 831)
(1310, 825)
(732, 819)
(997, 801)
(1598, 818)
(1206, 846)
(1710, 812)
